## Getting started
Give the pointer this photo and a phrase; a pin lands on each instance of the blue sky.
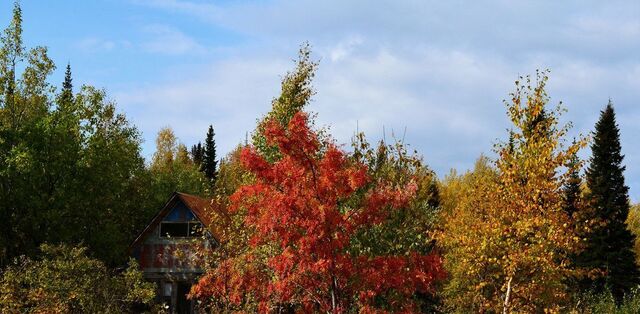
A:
(440, 69)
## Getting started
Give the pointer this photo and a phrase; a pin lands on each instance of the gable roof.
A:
(198, 206)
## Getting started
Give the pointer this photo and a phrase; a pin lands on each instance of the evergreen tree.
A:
(209, 163)
(67, 86)
(609, 244)
(196, 154)
(572, 186)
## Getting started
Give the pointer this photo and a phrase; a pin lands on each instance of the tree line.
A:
(309, 226)
(319, 229)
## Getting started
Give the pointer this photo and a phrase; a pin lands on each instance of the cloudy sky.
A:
(433, 72)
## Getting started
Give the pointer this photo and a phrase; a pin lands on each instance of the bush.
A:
(66, 280)
(605, 303)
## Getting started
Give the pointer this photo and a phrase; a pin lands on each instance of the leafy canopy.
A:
(305, 210)
(508, 239)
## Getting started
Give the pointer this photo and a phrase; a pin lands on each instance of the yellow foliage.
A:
(633, 224)
(506, 238)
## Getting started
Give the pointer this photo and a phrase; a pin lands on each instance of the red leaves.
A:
(295, 207)
(405, 274)
(297, 141)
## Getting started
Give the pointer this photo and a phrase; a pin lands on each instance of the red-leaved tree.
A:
(302, 212)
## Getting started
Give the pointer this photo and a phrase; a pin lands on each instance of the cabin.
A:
(165, 249)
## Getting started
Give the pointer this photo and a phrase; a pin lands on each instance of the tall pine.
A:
(196, 154)
(572, 186)
(609, 244)
(209, 163)
(67, 86)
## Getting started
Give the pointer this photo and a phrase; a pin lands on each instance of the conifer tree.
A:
(67, 86)
(209, 163)
(572, 186)
(196, 154)
(610, 243)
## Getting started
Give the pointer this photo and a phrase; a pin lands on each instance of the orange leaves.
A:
(297, 142)
(305, 209)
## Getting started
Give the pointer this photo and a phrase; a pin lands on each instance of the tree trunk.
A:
(506, 296)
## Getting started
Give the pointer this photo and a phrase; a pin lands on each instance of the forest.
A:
(311, 225)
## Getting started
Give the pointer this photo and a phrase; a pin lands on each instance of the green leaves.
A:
(296, 92)
(66, 280)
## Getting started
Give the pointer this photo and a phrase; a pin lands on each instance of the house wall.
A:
(171, 262)
(170, 256)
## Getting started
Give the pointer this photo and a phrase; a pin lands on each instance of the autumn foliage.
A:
(304, 210)
(508, 239)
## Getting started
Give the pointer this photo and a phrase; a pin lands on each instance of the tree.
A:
(67, 87)
(508, 240)
(454, 187)
(572, 188)
(172, 170)
(232, 174)
(209, 162)
(110, 184)
(11, 53)
(609, 243)
(197, 154)
(166, 149)
(66, 280)
(295, 95)
(182, 155)
(304, 210)
(633, 223)
(404, 230)
(67, 161)
(24, 104)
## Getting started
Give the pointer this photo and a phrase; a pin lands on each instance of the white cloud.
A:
(95, 44)
(344, 48)
(205, 11)
(230, 94)
(168, 40)
(439, 69)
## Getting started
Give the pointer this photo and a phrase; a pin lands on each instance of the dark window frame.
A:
(190, 232)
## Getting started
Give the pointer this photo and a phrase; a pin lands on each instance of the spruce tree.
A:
(196, 154)
(209, 163)
(609, 244)
(572, 186)
(67, 86)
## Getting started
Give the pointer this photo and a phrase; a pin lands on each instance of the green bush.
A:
(605, 303)
(65, 280)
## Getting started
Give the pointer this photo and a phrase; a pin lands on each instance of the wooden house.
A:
(165, 249)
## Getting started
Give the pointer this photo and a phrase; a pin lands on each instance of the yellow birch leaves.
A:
(507, 238)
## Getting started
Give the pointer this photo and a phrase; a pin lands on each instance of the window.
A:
(180, 229)
(168, 289)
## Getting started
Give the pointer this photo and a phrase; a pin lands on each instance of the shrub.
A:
(65, 280)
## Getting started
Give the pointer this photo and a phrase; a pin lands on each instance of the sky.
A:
(433, 73)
